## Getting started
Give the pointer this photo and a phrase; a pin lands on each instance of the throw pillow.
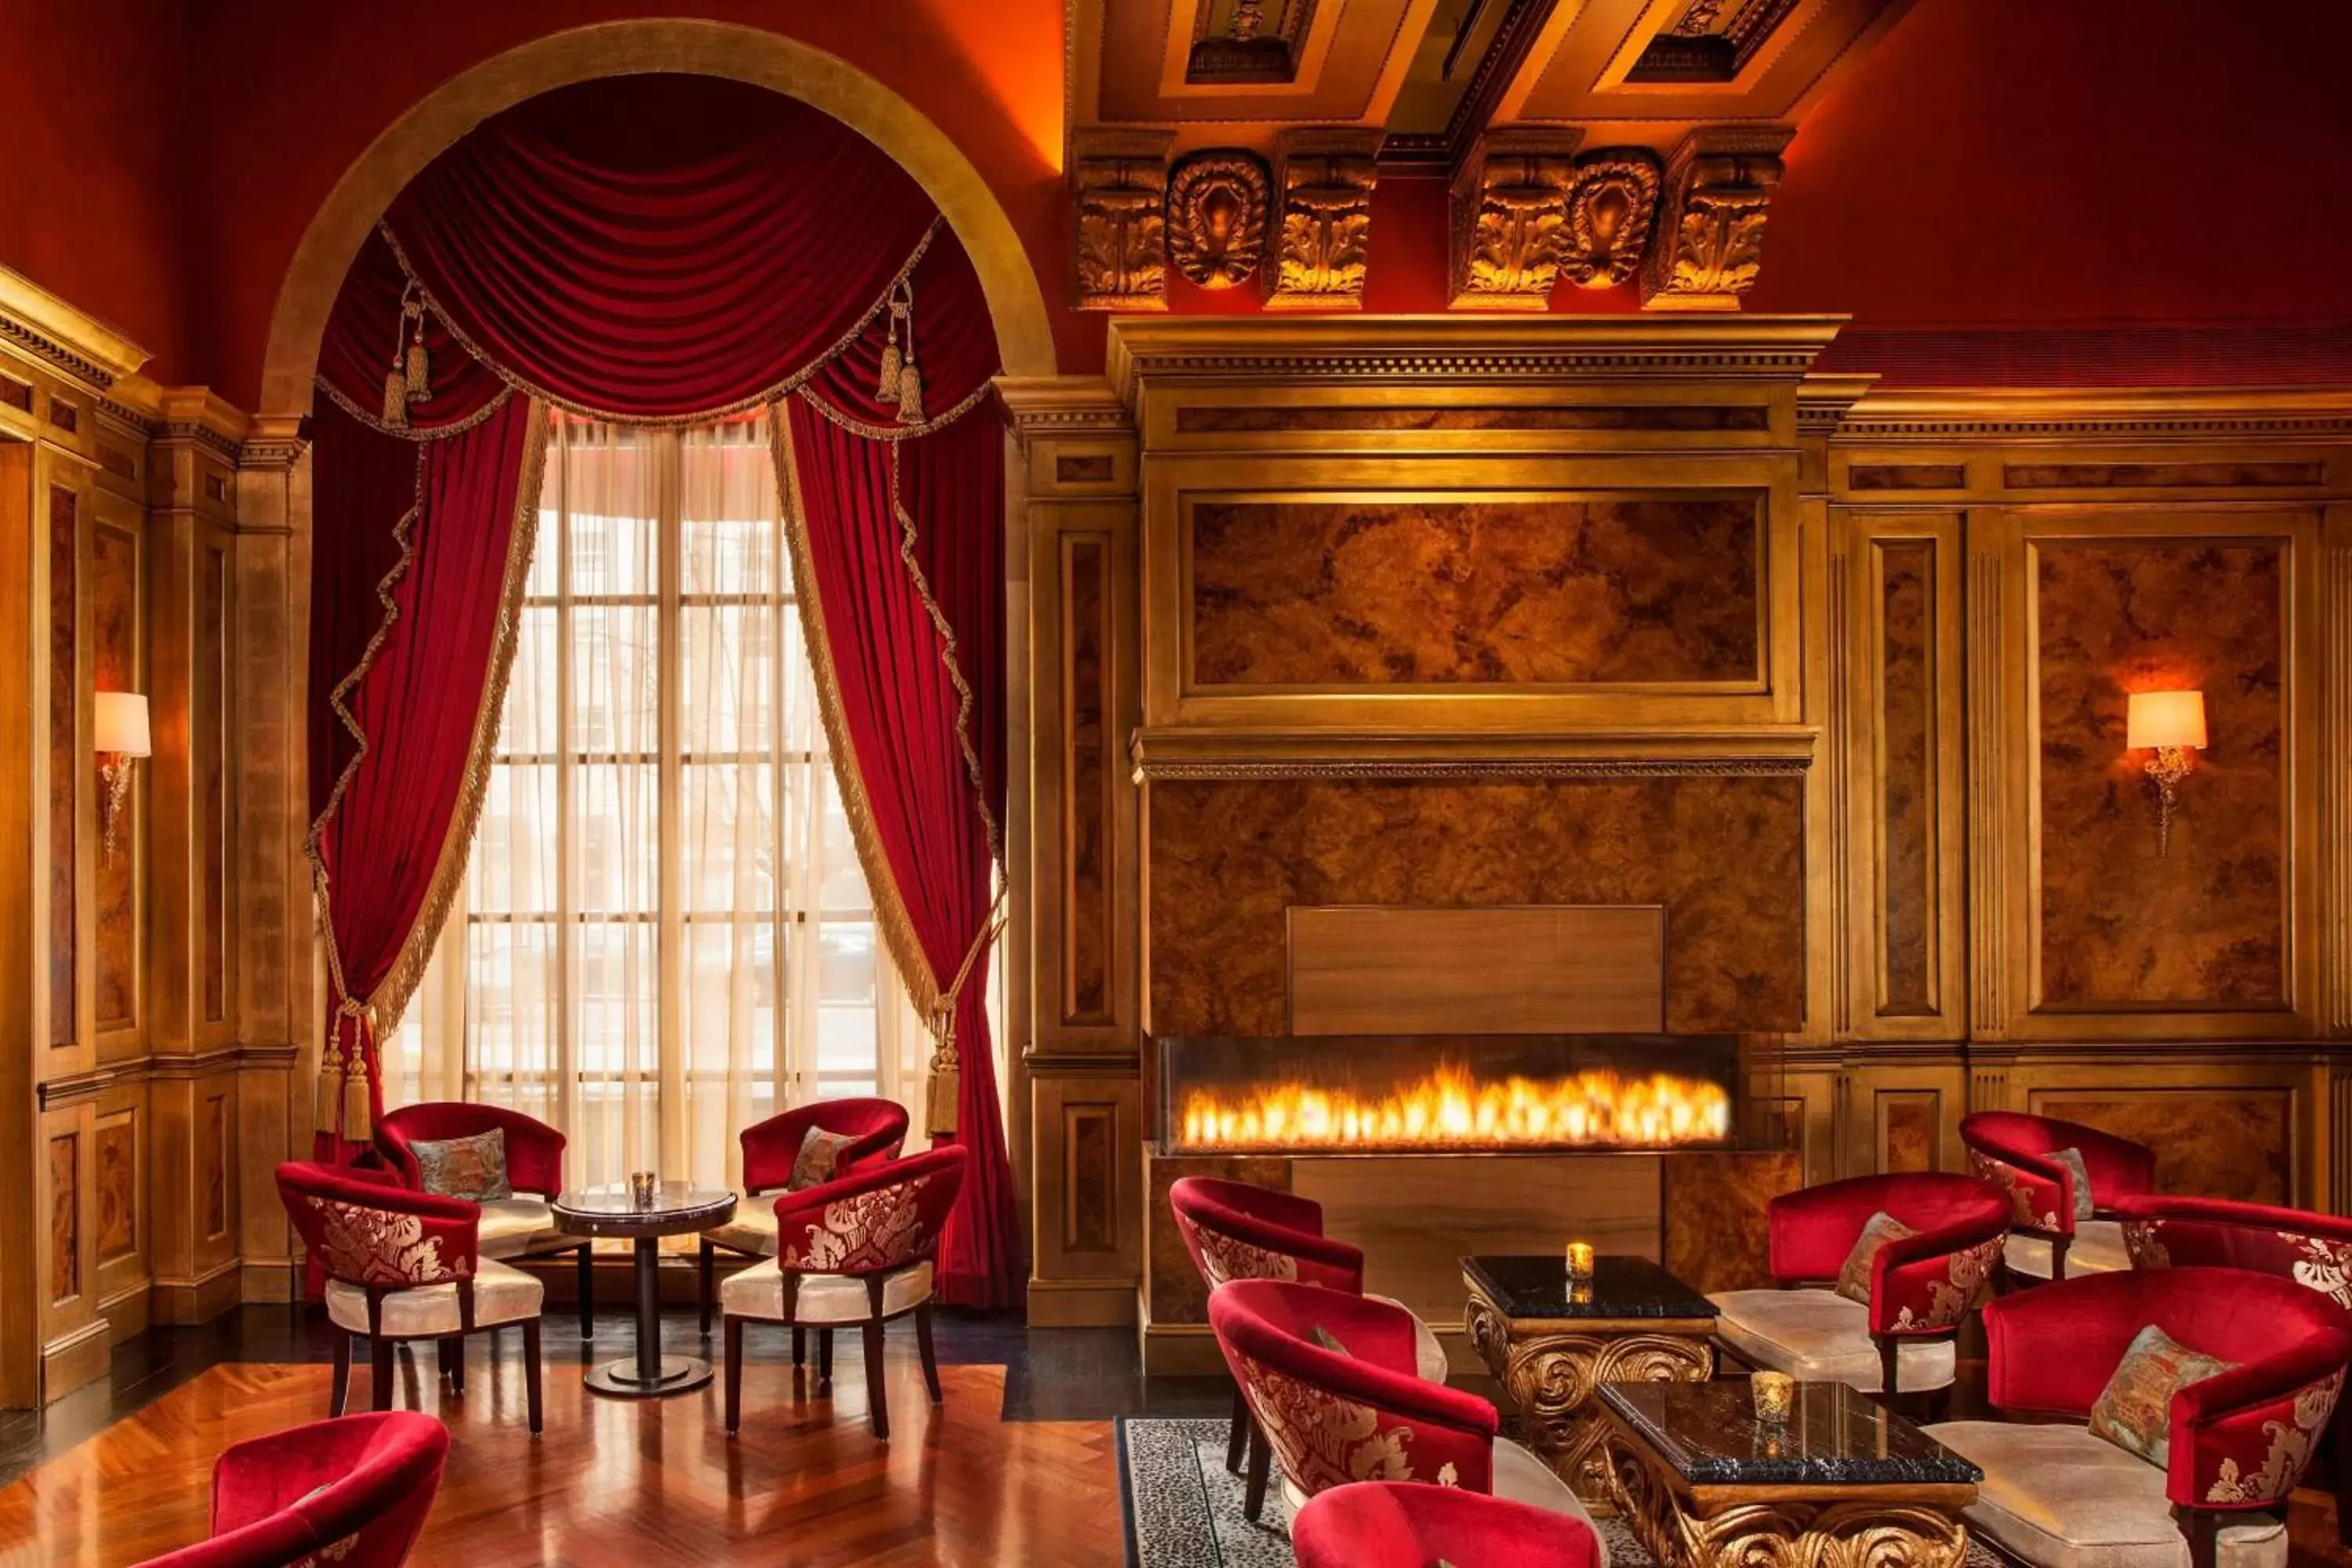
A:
(473, 1168)
(1329, 1341)
(2073, 1159)
(812, 1167)
(2134, 1410)
(1854, 1280)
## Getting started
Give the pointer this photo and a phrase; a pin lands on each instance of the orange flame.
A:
(1448, 1107)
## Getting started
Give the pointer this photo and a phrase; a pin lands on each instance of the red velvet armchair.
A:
(1394, 1524)
(405, 1266)
(2238, 1441)
(520, 1227)
(352, 1492)
(1922, 1286)
(876, 1128)
(1362, 1412)
(2050, 1236)
(1237, 1231)
(2314, 1250)
(855, 1250)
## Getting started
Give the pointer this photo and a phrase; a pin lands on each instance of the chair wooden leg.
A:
(800, 1347)
(1237, 1440)
(343, 1387)
(2204, 1528)
(2343, 1436)
(824, 1360)
(735, 1372)
(930, 1353)
(1261, 1458)
(878, 1395)
(530, 1371)
(378, 1375)
(1889, 1366)
(450, 1355)
(2058, 1245)
(587, 1292)
(709, 1268)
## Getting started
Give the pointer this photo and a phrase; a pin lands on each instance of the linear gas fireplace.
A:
(1455, 1094)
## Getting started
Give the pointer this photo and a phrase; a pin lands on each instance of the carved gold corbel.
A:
(1325, 225)
(1711, 233)
(1609, 215)
(1119, 186)
(1509, 219)
(1216, 217)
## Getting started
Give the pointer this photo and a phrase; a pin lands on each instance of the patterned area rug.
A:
(1183, 1511)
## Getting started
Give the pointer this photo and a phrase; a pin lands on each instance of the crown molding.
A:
(42, 327)
(1205, 753)
(1061, 404)
(1927, 413)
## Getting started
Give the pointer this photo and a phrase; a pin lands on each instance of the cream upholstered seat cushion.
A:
(2059, 1497)
(1429, 1361)
(2097, 1249)
(1820, 1336)
(759, 1292)
(1520, 1477)
(501, 1295)
(512, 1226)
(753, 1229)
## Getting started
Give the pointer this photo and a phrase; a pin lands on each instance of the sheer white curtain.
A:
(664, 934)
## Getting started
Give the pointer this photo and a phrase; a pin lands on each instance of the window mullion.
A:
(675, 1153)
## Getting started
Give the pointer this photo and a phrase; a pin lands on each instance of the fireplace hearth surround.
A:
(1462, 1094)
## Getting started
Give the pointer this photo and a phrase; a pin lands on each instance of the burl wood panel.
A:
(215, 1150)
(2122, 476)
(1909, 1120)
(1723, 853)
(118, 1180)
(2212, 1142)
(1087, 769)
(1906, 476)
(65, 761)
(2205, 925)
(1516, 417)
(1176, 1291)
(1551, 969)
(212, 764)
(114, 654)
(1090, 1144)
(1382, 592)
(65, 1217)
(1716, 1239)
(1907, 730)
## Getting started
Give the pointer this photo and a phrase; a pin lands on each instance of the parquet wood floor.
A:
(625, 1485)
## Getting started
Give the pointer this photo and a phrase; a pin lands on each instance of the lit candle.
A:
(1773, 1392)
(1579, 1260)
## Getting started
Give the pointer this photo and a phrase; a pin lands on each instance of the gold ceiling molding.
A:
(1501, 769)
(60, 338)
(1016, 304)
(1192, 752)
(1931, 414)
(1061, 404)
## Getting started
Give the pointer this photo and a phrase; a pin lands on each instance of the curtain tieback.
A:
(944, 1091)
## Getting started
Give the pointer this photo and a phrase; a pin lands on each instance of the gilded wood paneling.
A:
(1909, 1129)
(1205, 419)
(1374, 590)
(2210, 1140)
(210, 759)
(65, 762)
(1230, 857)
(2205, 924)
(1907, 747)
(1088, 772)
(1549, 970)
(114, 650)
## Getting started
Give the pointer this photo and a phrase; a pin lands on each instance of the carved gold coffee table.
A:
(1842, 1481)
(1551, 1344)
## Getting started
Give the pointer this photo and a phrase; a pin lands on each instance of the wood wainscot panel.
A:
(1714, 1202)
(65, 709)
(118, 1151)
(1089, 1187)
(1229, 858)
(2216, 1143)
(73, 1337)
(114, 646)
(210, 760)
(1089, 783)
(65, 1217)
(2203, 923)
(1382, 590)
(1544, 971)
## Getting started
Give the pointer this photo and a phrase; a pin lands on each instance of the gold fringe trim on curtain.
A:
(409, 432)
(889, 909)
(798, 378)
(894, 433)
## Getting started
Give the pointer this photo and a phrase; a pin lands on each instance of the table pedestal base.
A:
(678, 1374)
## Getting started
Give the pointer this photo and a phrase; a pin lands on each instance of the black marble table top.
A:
(1535, 1287)
(1708, 1433)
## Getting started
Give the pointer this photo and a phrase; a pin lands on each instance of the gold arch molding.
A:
(690, 46)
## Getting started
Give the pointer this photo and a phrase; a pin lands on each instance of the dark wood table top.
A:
(676, 1208)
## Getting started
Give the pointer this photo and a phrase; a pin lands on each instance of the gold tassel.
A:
(395, 398)
(420, 370)
(356, 1128)
(942, 1093)
(911, 395)
(887, 391)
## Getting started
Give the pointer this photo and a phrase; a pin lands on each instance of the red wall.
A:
(1991, 162)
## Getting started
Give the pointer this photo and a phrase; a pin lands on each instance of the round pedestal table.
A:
(678, 1209)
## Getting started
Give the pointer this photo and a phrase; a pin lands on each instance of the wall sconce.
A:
(120, 738)
(2171, 724)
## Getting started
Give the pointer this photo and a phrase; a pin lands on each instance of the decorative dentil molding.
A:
(1323, 230)
(1711, 231)
(1509, 219)
(1217, 204)
(1119, 181)
(68, 342)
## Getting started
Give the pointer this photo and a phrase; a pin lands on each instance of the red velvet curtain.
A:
(653, 249)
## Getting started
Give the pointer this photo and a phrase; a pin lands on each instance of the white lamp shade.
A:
(2165, 719)
(121, 725)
